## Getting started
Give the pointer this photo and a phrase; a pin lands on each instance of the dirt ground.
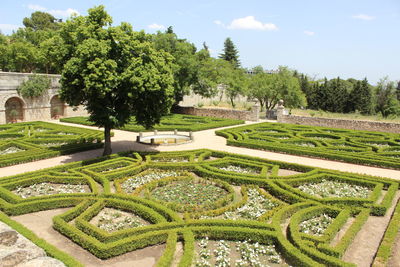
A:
(41, 224)
(364, 246)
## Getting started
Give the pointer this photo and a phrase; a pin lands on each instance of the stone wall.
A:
(341, 123)
(252, 115)
(33, 109)
(196, 100)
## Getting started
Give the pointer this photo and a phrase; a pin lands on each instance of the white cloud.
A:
(55, 12)
(363, 17)
(8, 28)
(37, 7)
(309, 33)
(63, 13)
(250, 23)
(156, 26)
(218, 22)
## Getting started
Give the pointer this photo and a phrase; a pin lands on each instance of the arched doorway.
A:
(14, 110)
(56, 107)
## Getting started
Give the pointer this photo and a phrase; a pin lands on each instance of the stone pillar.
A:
(280, 111)
(255, 112)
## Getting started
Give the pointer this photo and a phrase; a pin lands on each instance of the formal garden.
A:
(30, 141)
(169, 123)
(222, 209)
(360, 147)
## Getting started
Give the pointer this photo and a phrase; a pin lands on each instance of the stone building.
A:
(15, 108)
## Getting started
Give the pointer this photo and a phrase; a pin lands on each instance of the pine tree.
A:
(364, 102)
(230, 53)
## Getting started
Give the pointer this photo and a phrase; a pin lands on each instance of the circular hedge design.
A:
(261, 216)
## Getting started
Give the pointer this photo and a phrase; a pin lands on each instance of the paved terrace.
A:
(124, 141)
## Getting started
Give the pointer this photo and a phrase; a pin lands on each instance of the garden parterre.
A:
(359, 147)
(169, 123)
(30, 141)
(256, 218)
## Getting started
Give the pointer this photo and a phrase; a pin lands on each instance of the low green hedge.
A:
(168, 227)
(32, 138)
(359, 147)
(169, 123)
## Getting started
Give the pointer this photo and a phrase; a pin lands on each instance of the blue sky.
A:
(346, 38)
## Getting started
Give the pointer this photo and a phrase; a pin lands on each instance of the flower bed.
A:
(224, 253)
(131, 184)
(255, 207)
(238, 169)
(112, 220)
(317, 225)
(47, 189)
(188, 192)
(327, 188)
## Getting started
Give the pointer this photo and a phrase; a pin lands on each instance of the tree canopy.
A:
(114, 72)
(268, 89)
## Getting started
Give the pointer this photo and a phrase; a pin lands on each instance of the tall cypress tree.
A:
(363, 98)
(230, 53)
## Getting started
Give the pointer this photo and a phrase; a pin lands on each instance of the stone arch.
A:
(56, 107)
(14, 109)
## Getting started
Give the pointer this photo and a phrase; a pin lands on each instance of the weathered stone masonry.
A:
(341, 123)
(45, 107)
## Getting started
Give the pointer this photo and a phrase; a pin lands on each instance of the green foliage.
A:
(169, 123)
(268, 89)
(185, 60)
(361, 98)
(41, 21)
(230, 53)
(35, 86)
(360, 147)
(386, 99)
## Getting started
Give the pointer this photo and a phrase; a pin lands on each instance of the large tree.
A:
(268, 89)
(114, 72)
(230, 53)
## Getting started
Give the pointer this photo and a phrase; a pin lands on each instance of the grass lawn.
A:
(235, 209)
(170, 123)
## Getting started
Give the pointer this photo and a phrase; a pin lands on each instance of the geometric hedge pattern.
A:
(360, 147)
(24, 142)
(263, 201)
(169, 123)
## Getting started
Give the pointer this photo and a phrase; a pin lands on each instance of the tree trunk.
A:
(107, 141)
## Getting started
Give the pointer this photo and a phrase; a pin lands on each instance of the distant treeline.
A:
(40, 47)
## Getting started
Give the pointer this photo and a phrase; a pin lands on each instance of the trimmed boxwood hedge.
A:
(278, 226)
(169, 123)
(359, 147)
(33, 140)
